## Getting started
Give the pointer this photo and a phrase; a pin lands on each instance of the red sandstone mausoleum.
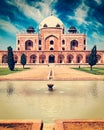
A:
(52, 45)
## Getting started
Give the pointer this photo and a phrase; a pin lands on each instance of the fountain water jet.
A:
(50, 85)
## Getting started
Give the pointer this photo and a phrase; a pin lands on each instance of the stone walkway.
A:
(66, 73)
(35, 73)
(59, 73)
(48, 126)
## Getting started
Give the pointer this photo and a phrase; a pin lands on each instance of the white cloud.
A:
(38, 11)
(81, 13)
(8, 26)
(99, 2)
(96, 39)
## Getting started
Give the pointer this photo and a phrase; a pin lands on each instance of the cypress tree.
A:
(92, 60)
(23, 59)
(10, 61)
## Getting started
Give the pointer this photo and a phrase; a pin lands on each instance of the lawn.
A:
(6, 71)
(95, 70)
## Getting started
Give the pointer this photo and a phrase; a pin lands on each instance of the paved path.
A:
(66, 73)
(48, 126)
(35, 73)
(59, 73)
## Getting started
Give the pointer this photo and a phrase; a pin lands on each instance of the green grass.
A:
(6, 71)
(95, 70)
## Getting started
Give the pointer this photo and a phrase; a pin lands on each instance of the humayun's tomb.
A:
(52, 45)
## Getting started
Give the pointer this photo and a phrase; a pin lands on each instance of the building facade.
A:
(52, 45)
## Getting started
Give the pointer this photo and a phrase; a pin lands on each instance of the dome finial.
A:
(51, 12)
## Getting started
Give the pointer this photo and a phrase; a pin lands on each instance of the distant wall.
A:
(79, 125)
(59, 57)
(20, 125)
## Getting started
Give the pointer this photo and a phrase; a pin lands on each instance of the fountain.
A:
(50, 84)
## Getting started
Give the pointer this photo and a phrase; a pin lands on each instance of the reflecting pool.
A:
(68, 100)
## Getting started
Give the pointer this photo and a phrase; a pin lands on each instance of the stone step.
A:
(48, 126)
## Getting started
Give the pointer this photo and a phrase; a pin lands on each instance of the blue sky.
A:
(86, 15)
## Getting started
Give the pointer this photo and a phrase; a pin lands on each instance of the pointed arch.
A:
(51, 42)
(73, 44)
(51, 58)
(70, 58)
(28, 45)
(4, 58)
(79, 58)
(98, 58)
(33, 58)
(51, 36)
(42, 58)
(87, 56)
(15, 58)
(60, 58)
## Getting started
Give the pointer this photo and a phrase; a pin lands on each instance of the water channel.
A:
(68, 100)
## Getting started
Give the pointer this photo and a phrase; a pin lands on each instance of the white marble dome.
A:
(51, 21)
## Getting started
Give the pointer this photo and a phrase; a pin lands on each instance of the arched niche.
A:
(87, 57)
(51, 58)
(70, 58)
(28, 45)
(60, 58)
(98, 58)
(73, 44)
(33, 58)
(15, 58)
(42, 58)
(4, 58)
(79, 58)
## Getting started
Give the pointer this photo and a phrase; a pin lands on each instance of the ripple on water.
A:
(66, 101)
(38, 89)
(61, 92)
(47, 92)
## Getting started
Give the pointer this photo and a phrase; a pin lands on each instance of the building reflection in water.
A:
(10, 89)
